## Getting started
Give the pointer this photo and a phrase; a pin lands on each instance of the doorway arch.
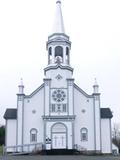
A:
(59, 136)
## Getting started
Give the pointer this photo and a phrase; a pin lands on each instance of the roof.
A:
(10, 114)
(106, 113)
(35, 92)
(83, 92)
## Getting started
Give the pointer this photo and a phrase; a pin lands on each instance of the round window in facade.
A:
(58, 95)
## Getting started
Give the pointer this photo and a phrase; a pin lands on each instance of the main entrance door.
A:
(59, 141)
(59, 136)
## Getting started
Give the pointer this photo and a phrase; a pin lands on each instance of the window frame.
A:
(33, 133)
(59, 51)
(84, 131)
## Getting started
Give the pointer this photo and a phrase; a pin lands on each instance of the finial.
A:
(21, 87)
(95, 87)
(21, 82)
(96, 84)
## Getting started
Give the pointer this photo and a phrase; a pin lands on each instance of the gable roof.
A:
(83, 92)
(10, 114)
(106, 113)
(35, 92)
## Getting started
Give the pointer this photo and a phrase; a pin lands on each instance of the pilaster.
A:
(97, 123)
(47, 83)
(70, 84)
(20, 118)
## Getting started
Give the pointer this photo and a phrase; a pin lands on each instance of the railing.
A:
(79, 148)
(22, 149)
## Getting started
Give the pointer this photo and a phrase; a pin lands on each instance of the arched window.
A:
(49, 55)
(50, 51)
(58, 51)
(84, 134)
(67, 51)
(67, 55)
(33, 135)
(58, 128)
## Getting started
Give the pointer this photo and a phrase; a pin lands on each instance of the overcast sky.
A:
(94, 29)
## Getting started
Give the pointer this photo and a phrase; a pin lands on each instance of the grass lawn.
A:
(1, 150)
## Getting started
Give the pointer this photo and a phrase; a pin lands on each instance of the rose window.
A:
(58, 95)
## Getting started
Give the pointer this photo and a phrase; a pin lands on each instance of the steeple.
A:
(58, 26)
(58, 44)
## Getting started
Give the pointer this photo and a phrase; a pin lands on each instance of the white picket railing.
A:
(26, 148)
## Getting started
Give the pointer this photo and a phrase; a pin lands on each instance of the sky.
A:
(94, 30)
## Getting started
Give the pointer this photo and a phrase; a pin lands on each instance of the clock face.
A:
(58, 95)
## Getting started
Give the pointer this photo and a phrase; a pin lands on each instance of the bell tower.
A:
(58, 88)
(58, 44)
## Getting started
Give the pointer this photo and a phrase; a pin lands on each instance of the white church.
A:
(59, 114)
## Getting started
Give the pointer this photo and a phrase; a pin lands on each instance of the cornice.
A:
(56, 67)
(70, 117)
(58, 34)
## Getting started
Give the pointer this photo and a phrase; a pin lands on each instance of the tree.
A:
(2, 135)
(116, 134)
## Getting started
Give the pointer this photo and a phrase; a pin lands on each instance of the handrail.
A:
(25, 148)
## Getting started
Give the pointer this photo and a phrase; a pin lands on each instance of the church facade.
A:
(59, 114)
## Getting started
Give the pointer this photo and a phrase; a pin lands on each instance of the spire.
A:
(58, 44)
(58, 22)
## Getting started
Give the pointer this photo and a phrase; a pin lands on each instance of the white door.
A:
(59, 141)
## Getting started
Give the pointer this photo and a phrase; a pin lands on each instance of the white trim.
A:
(34, 92)
(84, 93)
